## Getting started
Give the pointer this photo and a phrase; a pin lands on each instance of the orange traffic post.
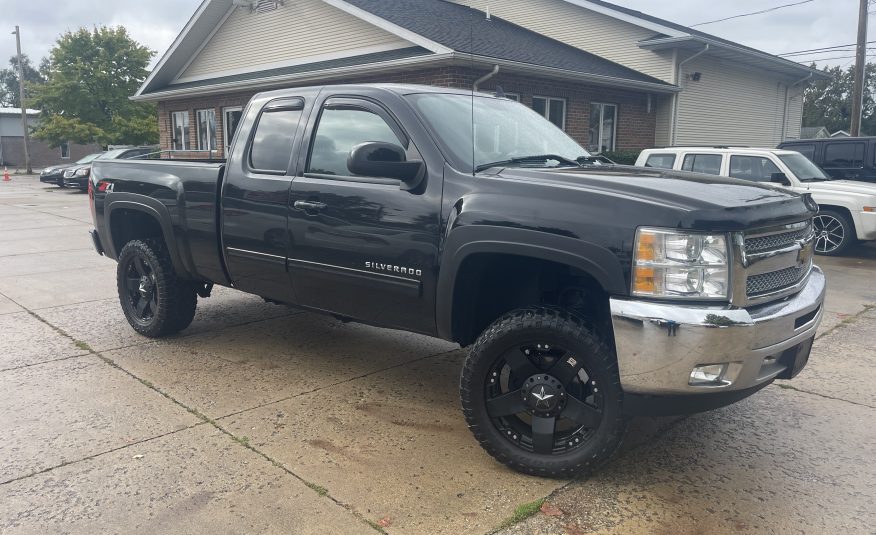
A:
(6, 177)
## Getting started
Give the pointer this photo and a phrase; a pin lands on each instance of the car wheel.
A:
(540, 392)
(834, 233)
(156, 303)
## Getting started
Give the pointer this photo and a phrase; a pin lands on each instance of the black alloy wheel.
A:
(540, 392)
(155, 301)
(141, 293)
(833, 233)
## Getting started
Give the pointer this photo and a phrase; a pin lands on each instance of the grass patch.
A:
(82, 345)
(375, 525)
(522, 512)
(322, 491)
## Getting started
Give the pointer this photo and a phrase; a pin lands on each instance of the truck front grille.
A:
(772, 242)
(772, 262)
(775, 280)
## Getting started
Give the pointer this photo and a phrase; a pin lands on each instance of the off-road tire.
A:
(559, 327)
(177, 299)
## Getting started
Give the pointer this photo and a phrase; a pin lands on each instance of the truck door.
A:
(361, 246)
(255, 195)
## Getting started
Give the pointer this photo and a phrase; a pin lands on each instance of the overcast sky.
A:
(818, 23)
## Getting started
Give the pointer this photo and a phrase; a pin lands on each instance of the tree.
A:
(89, 77)
(9, 96)
(828, 103)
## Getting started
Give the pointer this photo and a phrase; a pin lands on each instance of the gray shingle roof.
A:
(467, 30)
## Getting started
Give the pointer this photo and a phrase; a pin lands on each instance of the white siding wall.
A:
(731, 105)
(795, 113)
(663, 120)
(296, 32)
(594, 32)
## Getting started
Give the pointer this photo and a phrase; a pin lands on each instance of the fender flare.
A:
(154, 209)
(595, 260)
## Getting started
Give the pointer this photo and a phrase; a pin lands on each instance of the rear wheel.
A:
(156, 303)
(540, 391)
(833, 233)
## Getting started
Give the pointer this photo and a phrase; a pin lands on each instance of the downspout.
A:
(677, 95)
(485, 77)
(785, 110)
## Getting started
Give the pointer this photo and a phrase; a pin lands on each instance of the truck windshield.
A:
(505, 132)
(803, 168)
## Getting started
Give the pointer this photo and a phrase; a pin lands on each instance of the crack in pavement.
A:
(825, 396)
(848, 320)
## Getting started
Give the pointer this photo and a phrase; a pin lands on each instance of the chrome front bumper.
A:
(659, 344)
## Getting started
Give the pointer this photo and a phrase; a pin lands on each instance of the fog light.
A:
(707, 375)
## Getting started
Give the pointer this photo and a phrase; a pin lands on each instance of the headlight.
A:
(85, 171)
(677, 264)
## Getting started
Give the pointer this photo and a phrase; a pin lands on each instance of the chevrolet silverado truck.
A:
(585, 292)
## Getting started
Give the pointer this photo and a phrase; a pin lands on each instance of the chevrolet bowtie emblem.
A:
(542, 398)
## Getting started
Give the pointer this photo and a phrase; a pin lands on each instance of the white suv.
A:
(847, 208)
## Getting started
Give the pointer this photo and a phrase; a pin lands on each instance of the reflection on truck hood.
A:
(697, 200)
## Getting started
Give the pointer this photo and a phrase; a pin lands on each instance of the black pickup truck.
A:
(586, 292)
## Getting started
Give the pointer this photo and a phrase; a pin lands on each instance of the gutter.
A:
(463, 59)
(485, 77)
(678, 82)
(669, 41)
(785, 108)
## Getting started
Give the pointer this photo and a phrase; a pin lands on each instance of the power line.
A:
(826, 48)
(837, 57)
(829, 52)
(752, 13)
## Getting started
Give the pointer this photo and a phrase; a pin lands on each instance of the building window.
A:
(180, 130)
(230, 120)
(65, 150)
(603, 127)
(513, 96)
(551, 108)
(206, 128)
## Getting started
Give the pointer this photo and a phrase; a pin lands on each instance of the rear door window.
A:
(272, 141)
(754, 168)
(844, 155)
(709, 164)
(661, 161)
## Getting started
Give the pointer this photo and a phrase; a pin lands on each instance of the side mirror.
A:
(385, 160)
(780, 178)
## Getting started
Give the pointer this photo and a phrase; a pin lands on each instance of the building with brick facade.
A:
(41, 154)
(613, 79)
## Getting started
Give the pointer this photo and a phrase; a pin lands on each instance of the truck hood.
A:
(695, 200)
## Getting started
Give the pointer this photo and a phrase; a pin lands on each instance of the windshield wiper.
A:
(533, 158)
(813, 179)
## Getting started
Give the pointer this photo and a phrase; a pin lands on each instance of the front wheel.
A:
(540, 391)
(156, 303)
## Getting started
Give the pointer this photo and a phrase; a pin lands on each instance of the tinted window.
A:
(340, 130)
(843, 155)
(663, 161)
(805, 150)
(702, 163)
(752, 168)
(272, 142)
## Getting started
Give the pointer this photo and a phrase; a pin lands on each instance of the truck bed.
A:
(185, 190)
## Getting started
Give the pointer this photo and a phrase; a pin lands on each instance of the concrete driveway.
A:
(258, 419)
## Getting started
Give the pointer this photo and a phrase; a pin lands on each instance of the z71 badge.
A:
(394, 269)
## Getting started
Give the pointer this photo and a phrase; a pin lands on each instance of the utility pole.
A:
(860, 70)
(28, 168)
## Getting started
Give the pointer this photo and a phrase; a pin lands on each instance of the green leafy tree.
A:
(9, 96)
(89, 76)
(828, 103)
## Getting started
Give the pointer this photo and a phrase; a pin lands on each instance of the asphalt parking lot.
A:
(261, 419)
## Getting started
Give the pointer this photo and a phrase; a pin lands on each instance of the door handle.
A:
(309, 206)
